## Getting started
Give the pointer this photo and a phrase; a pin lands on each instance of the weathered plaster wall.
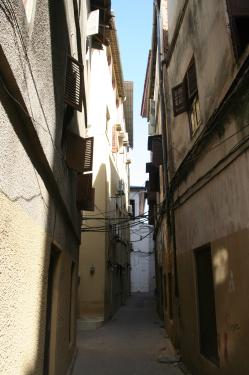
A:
(31, 218)
(202, 22)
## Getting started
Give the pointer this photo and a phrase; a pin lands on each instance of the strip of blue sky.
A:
(133, 22)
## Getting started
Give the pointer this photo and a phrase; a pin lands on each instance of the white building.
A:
(142, 256)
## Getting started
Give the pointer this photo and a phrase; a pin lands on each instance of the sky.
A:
(134, 27)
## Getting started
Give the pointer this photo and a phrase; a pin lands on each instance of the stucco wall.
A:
(100, 293)
(32, 216)
(202, 22)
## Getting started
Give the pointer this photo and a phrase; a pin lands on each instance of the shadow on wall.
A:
(92, 286)
(56, 337)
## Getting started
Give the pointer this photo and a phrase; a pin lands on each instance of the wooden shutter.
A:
(88, 159)
(238, 7)
(85, 192)
(150, 142)
(191, 80)
(74, 86)
(151, 196)
(179, 99)
(151, 215)
(154, 182)
(150, 168)
(79, 153)
(114, 139)
(157, 151)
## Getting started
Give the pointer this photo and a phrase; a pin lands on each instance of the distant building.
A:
(196, 101)
(142, 255)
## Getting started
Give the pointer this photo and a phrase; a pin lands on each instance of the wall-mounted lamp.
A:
(92, 270)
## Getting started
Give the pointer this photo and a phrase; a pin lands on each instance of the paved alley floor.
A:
(128, 344)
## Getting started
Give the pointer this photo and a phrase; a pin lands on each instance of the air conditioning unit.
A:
(125, 140)
(121, 134)
(130, 210)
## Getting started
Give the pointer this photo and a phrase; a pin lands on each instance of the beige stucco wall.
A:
(24, 252)
(31, 213)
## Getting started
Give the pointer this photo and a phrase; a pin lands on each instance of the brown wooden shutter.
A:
(88, 160)
(179, 99)
(151, 216)
(74, 86)
(79, 153)
(154, 182)
(150, 142)
(238, 7)
(191, 80)
(114, 139)
(157, 151)
(150, 168)
(85, 192)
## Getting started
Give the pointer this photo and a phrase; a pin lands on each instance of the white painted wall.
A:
(142, 257)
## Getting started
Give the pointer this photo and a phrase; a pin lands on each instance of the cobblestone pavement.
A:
(129, 344)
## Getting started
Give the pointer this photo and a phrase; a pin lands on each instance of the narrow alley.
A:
(124, 179)
(129, 344)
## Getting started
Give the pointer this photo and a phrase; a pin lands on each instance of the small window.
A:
(85, 192)
(114, 139)
(132, 203)
(238, 11)
(194, 115)
(185, 98)
(179, 99)
(79, 152)
(73, 87)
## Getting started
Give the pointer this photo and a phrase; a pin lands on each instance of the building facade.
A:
(105, 251)
(42, 110)
(141, 234)
(201, 221)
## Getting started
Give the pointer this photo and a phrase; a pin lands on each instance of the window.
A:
(238, 11)
(155, 146)
(73, 88)
(79, 152)
(132, 203)
(194, 114)
(206, 304)
(179, 99)
(185, 98)
(114, 139)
